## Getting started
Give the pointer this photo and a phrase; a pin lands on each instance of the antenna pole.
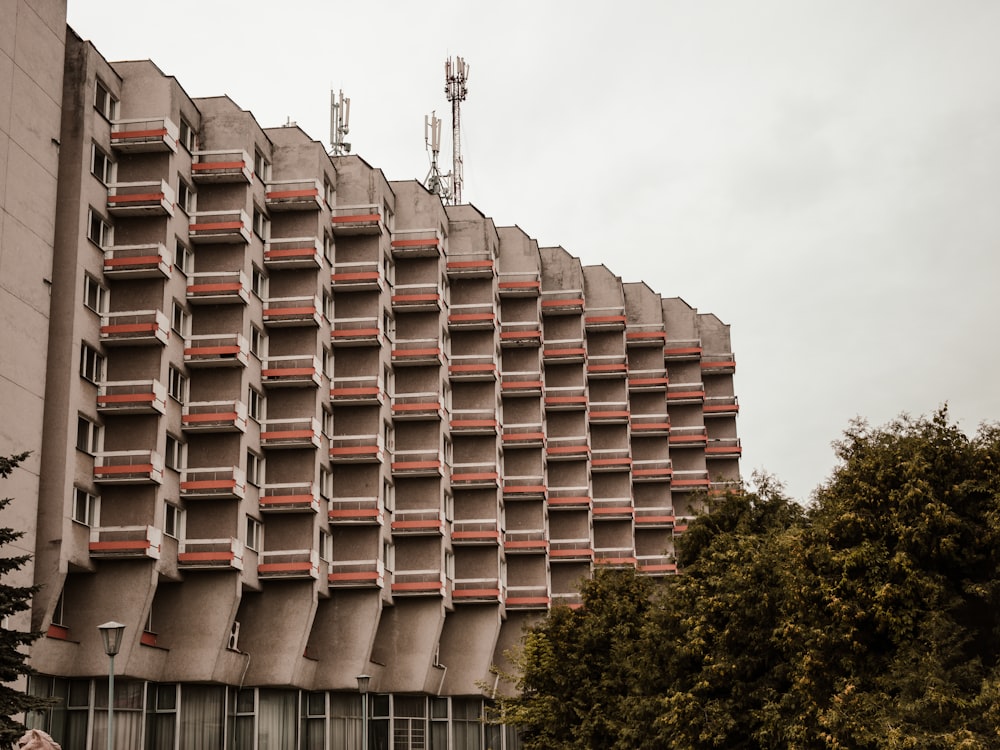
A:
(340, 117)
(456, 74)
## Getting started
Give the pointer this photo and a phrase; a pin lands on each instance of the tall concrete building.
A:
(304, 424)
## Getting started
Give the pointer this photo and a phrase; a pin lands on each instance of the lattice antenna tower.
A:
(456, 74)
(435, 182)
(340, 120)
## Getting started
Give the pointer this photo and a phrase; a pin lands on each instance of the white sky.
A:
(824, 175)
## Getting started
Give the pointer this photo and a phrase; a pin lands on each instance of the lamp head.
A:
(111, 634)
(363, 680)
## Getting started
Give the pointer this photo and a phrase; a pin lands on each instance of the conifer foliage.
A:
(13, 599)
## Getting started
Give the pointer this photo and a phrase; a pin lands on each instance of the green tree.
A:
(13, 599)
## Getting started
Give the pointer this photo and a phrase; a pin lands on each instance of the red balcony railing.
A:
(294, 195)
(688, 437)
(571, 550)
(524, 435)
(416, 297)
(418, 462)
(290, 372)
(519, 284)
(293, 252)
(126, 199)
(473, 367)
(645, 334)
(219, 227)
(525, 541)
(135, 328)
(357, 332)
(151, 261)
(363, 389)
(365, 448)
(128, 467)
(217, 482)
(288, 564)
(521, 333)
(132, 397)
(220, 288)
(474, 421)
(126, 542)
(475, 531)
(477, 265)
(477, 590)
(358, 276)
(721, 406)
(216, 350)
(221, 166)
(604, 318)
(356, 511)
(289, 312)
(214, 416)
(528, 597)
(144, 135)
(417, 243)
(689, 480)
(356, 574)
(478, 316)
(289, 433)
(361, 219)
(210, 554)
(289, 497)
(430, 582)
(652, 470)
(419, 522)
(417, 406)
(476, 473)
(562, 302)
(682, 349)
(723, 448)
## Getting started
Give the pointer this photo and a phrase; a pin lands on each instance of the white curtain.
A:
(203, 715)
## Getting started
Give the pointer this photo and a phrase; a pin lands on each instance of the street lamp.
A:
(111, 634)
(363, 680)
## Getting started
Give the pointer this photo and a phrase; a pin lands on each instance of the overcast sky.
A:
(824, 176)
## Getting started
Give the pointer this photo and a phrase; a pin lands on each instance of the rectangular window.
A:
(95, 296)
(328, 247)
(91, 364)
(255, 532)
(104, 101)
(183, 259)
(174, 455)
(186, 135)
(258, 281)
(255, 469)
(328, 192)
(88, 435)
(255, 404)
(325, 483)
(185, 196)
(327, 305)
(99, 231)
(177, 385)
(328, 361)
(173, 521)
(84, 507)
(180, 319)
(261, 166)
(261, 224)
(327, 423)
(101, 165)
(325, 545)
(258, 342)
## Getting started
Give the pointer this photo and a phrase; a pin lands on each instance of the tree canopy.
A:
(868, 619)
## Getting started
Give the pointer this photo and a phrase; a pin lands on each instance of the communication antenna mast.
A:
(455, 74)
(435, 182)
(340, 118)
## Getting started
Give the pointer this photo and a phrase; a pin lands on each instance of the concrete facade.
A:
(312, 424)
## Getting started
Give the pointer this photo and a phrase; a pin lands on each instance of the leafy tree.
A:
(13, 599)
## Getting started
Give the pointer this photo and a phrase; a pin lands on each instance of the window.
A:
(449, 565)
(99, 230)
(161, 711)
(59, 613)
(187, 136)
(91, 364)
(261, 224)
(327, 423)
(328, 361)
(88, 435)
(328, 247)
(84, 507)
(104, 101)
(101, 165)
(255, 469)
(185, 196)
(255, 532)
(180, 319)
(173, 521)
(174, 458)
(327, 305)
(95, 296)
(258, 342)
(325, 484)
(255, 404)
(314, 720)
(258, 281)
(177, 384)
(183, 259)
(328, 191)
(261, 166)
(325, 545)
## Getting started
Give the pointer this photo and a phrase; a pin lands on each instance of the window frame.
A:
(93, 440)
(92, 364)
(105, 102)
(177, 385)
(183, 257)
(108, 166)
(94, 291)
(254, 534)
(90, 511)
(255, 469)
(187, 198)
(100, 231)
(175, 454)
(255, 404)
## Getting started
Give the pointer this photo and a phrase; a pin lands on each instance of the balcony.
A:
(293, 564)
(213, 483)
(614, 557)
(126, 542)
(648, 380)
(522, 333)
(655, 518)
(417, 406)
(477, 590)
(418, 583)
(563, 302)
(643, 425)
(294, 195)
(477, 474)
(566, 398)
(609, 412)
(570, 498)
(156, 134)
(656, 565)
(135, 328)
(222, 227)
(527, 598)
(652, 470)
(645, 334)
(571, 550)
(475, 531)
(128, 467)
(210, 554)
(474, 421)
(132, 397)
(419, 522)
(571, 448)
(525, 542)
(681, 524)
(418, 352)
(606, 366)
(289, 312)
(685, 393)
(417, 243)
(611, 459)
(355, 220)
(521, 383)
(677, 350)
(290, 497)
(564, 350)
(723, 486)
(613, 509)
(152, 261)
(290, 371)
(571, 599)
(361, 276)
(131, 199)
(356, 511)
(221, 167)
(690, 481)
(357, 332)
(216, 350)
(688, 437)
(293, 252)
(530, 487)
(718, 364)
(416, 298)
(519, 284)
(471, 367)
(420, 462)
(524, 435)
(480, 316)
(289, 433)
(723, 448)
(604, 319)
(213, 288)
(721, 406)
(357, 449)
(359, 390)
(214, 416)
(356, 574)
(479, 265)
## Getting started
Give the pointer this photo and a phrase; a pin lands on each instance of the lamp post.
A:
(363, 680)
(111, 634)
